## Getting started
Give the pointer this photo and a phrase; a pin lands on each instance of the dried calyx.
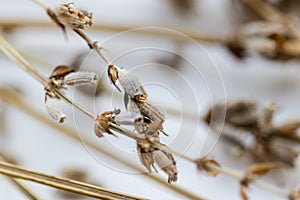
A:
(60, 78)
(253, 131)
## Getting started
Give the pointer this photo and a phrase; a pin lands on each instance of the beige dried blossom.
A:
(206, 164)
(80, 78)
(68, 15)
(53, 109)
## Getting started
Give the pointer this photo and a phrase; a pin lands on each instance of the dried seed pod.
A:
(80, 78)
(167, 163)
(207, 165)
(68, 15)
(53, 109)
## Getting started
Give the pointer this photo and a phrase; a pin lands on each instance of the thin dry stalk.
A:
(21, 187)
(63, 183)
(194, 34)
(15, 99)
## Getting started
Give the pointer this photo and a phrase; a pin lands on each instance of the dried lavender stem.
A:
(265, 10)
(237, 174)
(20, 186)
(63, 183)
(194, 34)
(20, 60)
(15, 99)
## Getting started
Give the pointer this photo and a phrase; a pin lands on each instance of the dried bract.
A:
(101, 125)
(167, 163)
(81, 78)
(129, 118)
(53, 109)
(208, 165)
(68, 15)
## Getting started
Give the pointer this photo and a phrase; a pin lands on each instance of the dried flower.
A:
(207, 165)
(53, 109)
(80, 78)
(266, 38)
(129, 118)
(101, 123)
(254, 131)
(68, 15)
(149, 155)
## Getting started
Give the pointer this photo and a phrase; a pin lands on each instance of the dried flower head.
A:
(208, 165)
(148, 155)
(101, 125)
(53, 109)
(295, 195)
(68, 15)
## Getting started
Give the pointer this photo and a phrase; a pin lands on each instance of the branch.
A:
(63, 183)
(17, 100)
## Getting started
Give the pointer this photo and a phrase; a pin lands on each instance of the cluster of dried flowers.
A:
(253, 130)
(60, 78)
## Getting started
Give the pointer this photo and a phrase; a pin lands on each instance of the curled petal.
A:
(70, 16)
(81, 78)
(53, 109)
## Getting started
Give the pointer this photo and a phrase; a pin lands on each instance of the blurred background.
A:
(177, 50)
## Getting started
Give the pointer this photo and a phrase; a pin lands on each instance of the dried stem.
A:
(20, 186)
(15, 99)
(194, 34)
(63, 183)
(237, 175)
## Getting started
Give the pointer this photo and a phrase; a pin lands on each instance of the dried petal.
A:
(53, 109)
(68, 15)
(207, 165)
(145, 157)
(98, 130)
(81, 78)
(263, 168)
(113, 75)
(60, 72)
(167, 163)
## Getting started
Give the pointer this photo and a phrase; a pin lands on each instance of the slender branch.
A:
(63, 183)
(15, 99)
(20, 186)
(194, 34)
